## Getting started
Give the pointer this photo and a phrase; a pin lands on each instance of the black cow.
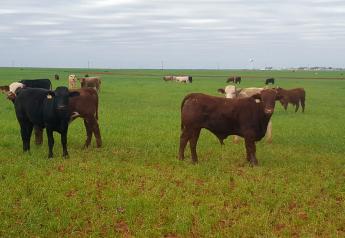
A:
(37, 83)
(45, 109)
(56, 77)
(269, 80)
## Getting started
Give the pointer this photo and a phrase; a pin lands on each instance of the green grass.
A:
(134, 185)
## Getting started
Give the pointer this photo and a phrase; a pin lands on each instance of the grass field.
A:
(135, 186)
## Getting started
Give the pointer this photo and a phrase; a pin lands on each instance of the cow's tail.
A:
(182, 104)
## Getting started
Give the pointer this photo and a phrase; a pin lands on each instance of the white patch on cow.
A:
(230, 91)
(15, 86)
(49, 96)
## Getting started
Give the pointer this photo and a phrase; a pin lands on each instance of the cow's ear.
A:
(74, 94)
(221, 90)
(4, 89)
(256, 96)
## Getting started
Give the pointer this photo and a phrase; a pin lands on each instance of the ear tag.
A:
(49, 96)
(257, 100)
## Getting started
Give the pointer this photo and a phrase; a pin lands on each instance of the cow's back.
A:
(37, 83)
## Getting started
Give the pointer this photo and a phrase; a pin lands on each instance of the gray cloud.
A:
(185, 34)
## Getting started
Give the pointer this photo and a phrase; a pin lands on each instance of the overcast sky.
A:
(181, 33)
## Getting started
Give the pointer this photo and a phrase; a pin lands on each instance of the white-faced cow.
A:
(72, 81)
(244, 117)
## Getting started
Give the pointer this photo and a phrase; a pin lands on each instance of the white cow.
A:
(230, 91)
(183, 79)
(72, 81)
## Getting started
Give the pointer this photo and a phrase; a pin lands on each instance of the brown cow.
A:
(244, 117)
(234, 79)
(90, 82)
(294, 96)
(85, 106)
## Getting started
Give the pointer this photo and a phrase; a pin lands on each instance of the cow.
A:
(183, 79)
(45, 109)
(90, 82)
(28, 83)
(234, 79)
(244, 117)
(231, 92)
(84, 106)
(72, 81)
(169, 78)
(269, 80)
(294, 96)
(56, 77)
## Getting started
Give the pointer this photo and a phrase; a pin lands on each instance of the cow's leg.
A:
(251, 150)
(50, 142)
(88, 133)
(25, 131)
(64, 143)
(269, 132)
(193, 142)
(96, 131)
(184, 137)
(38, 135)
(303, 104)
(297, 106)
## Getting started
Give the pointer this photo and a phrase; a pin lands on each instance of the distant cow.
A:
(169, 78)
(231, 92)
(45, 109)
(294, 96)
(245, 117)
(90, 82)
(72, 81)
(183, 79)
(269, 81)
(234, 79)
(56, 77)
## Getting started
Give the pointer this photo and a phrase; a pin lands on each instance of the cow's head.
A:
(268, 98)
(230, 91)
(12, 90)
(60, 97)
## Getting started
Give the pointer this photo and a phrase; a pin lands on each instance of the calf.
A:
(90, 82)
(86, 107)
(245, 117)
(294, 96)
(269, 80)
(234, 79)
(45, 109)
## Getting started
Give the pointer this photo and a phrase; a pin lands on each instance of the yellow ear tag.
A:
(49, 96)
(257, 100)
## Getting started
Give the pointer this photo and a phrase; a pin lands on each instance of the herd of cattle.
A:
(244, 112)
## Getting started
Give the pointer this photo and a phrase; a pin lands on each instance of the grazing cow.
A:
(294, 96)
(269, 80)
(45, 109)
(72, 81)
(90, 82)
(245, 93)
(234, 79)
(244, 117)
(56, 77)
